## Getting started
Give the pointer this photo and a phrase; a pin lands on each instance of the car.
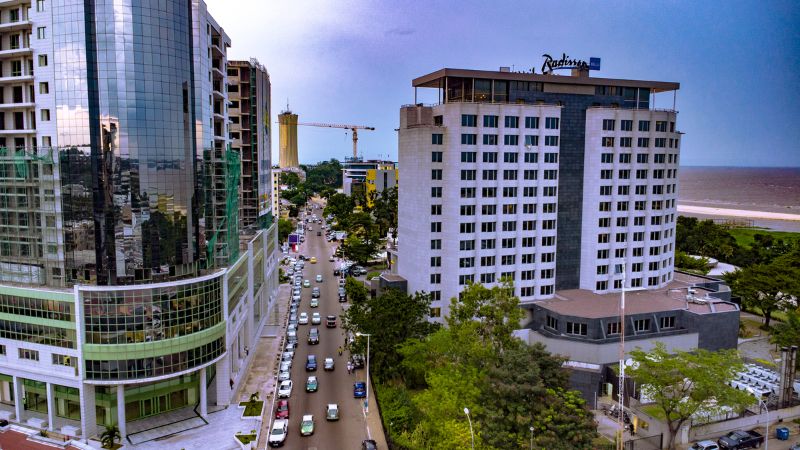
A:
(316, 319)
(282, 409)
(319, 233)
(311, 363)
(359, 389)
(296, 298)
(358, 361)
(313, 260)
(336, 272)
(287, 356)
(292, 325)
(277, 435)
(740, 439)
(285, 389)
(286, 366)
(293, 308)
(331, 259)
(296, 291)
(291, 336)
(796, 446)
(297, 283)
(306, 283)
(290, 272)
(319, 278)
(314, 303)
(369, 444)
(309, 227)
(342, 282)
(307, 425)
(312, 384)
(330, 321)
(303, 320)
(313, 336)
(704, 445)
(284, 375)
(328, 364)
(315, 293)
(332, 412)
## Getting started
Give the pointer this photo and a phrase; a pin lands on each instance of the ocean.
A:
(761, 190)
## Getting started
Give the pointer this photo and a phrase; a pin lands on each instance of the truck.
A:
(740, 439)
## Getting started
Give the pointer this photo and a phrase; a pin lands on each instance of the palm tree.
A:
(110, 436)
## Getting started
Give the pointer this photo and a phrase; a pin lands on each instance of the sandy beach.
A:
(710, 211)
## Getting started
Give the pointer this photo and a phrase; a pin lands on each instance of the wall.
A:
(715, 430)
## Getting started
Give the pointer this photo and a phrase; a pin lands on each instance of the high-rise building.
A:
(362, 177)
(287, 151)
(125, 289)
(553, 182)
(251, 137)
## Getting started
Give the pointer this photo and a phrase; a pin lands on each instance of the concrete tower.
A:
(288, 137)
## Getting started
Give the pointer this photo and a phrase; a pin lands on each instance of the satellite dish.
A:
(629, 362)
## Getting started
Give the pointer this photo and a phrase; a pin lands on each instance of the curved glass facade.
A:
(124, 96)
(155, 330)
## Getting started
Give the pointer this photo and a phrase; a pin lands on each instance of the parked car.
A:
(286, 366)
(332, 412)
(307, 425)
(328, 364)
(287, 356)
(284, 375)
(313, 336)
(312, 384)
(285, 389)
(704, 445)
(291, 336)
(303, 320)
(311, 363)
(282, 409)
(359, 389)
(369, 444)
(277, 436)
(739, 439)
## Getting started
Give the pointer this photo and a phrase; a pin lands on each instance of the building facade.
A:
(287, 150)
(360, 176)
(127, 288)
(553, 182)
(250, 133)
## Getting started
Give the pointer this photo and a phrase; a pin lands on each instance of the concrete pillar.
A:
(203, 394)
(51, 408)
(88, 412)
(121, 411)
(223, 378)
(19, 406)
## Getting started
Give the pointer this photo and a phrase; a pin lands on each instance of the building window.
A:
(532, 158)
(489, 139)
(643, 142)
(63, 360)
(464, 279)
(24, 353)
(41, 33)
(510, 140)
(436, 210)
(551, 123)
(436, 295)
(490, 121)
(552, 323)
(532, 122)
(644, 125)
(510, 157)
(469, 157)
(436, 156)
(436, 244)
(531, 140)
(435, 312)
(436, 261)
(511, 121)
(551, 141)
(468, 175)
(608, 141)
(661, 126)
(45, 115)
(436, 227)
(469, 139)
(487, 277)
(436, 191)
(490, 157)
(437, 139)
(42, 60)
(641, 324)
(579, 329)
(39, 5)
(2, 349)
(469, 120)
(612, 328)
(608, 124)
(626, 125)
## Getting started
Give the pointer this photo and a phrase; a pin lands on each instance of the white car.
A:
(303, 319)
(285, 389)
(287, 356)
(319, 278)
(316, 319)
(286, 366)
(283, 376)
(277, 436)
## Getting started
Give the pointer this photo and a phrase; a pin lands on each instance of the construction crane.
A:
(353, 128)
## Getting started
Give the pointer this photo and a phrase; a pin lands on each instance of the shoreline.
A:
(739, 213)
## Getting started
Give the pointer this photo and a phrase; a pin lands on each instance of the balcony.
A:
(16, 79)
(23, 51)
(14, 26)
(23, 131)
(19, 105)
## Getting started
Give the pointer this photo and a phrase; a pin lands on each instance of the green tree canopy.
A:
(285, 228)
(684, 383)
(768, 287)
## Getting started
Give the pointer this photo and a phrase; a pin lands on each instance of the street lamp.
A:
(760, 404)
(471, 433)
(366, 409)
(531, 438)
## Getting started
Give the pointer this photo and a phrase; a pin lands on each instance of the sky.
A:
(352, 62)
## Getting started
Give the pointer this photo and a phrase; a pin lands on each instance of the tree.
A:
(767, 286)
(110, 436)
(340, 206)
(385, 211)
(493, 311)
(357, 249)
(290, 179)
(684, 383)
(285, 228)
(389, 318)
(693, 264)
(787, 333)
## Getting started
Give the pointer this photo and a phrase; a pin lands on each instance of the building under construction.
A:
(288, 139)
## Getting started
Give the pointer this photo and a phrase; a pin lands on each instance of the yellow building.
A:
(384, 177)
(288, 140)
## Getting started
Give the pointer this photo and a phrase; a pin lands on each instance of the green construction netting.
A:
(230, 221)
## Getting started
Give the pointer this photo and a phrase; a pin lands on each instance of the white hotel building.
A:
(549, 181)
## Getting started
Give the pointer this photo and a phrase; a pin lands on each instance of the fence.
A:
(646, 443)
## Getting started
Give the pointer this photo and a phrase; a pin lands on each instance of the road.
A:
(335, 386)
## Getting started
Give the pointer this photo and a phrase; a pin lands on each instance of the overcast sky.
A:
(352, 62)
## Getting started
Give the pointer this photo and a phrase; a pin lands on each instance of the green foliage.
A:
(768, 287)
(787, 333)
(290, 179)
(323, 175)
(746, 237)
(385, 211)
(363, 240)
(683, 383)
(285, 227)
(340, 206)
(494, 312)
(357, 294)
(397, 410)
(686, 262)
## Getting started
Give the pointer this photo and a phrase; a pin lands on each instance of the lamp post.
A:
(471, 433)
(366, 409)
(531, 438)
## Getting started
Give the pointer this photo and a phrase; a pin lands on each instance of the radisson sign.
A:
(550, 64)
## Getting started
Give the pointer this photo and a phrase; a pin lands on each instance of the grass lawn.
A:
(779, 315)
(653, 411)
(745, 236)
(246, 438)
(252, 409)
